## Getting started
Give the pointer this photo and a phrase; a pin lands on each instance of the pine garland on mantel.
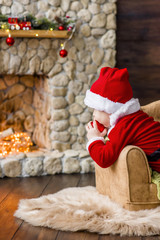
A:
(29, 26)
(17, 23)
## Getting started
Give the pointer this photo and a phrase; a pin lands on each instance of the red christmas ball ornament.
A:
(63, 53)
(61, 27)
(10, 40)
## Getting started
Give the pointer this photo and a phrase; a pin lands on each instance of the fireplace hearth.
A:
(45, 162)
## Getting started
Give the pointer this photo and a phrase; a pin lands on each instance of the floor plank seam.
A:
(17, 230)
(1, 202)
(79, 181)
(57, 235)
(46, 185)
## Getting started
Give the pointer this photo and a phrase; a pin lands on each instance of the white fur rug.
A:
(84, 208)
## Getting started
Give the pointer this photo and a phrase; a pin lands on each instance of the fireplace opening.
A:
(24, 114)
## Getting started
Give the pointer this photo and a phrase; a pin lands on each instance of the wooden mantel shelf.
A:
(35, 33)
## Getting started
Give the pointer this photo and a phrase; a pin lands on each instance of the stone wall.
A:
(61, 123)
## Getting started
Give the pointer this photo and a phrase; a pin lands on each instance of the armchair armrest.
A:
(137, 164)
(128, 180)
(139, 176)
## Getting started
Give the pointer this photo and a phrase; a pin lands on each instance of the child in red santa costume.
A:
(111, 97)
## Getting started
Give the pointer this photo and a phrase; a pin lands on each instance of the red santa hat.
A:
(112, 93)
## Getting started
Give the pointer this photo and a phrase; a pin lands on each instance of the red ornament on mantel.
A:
(63, 53)
(69, 28)
(61, 27)
(10, 40)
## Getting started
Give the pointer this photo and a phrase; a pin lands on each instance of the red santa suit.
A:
(112, 93)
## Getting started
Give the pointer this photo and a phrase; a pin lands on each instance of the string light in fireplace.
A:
(15, 143)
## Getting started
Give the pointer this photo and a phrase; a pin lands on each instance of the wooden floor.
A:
(14, 189)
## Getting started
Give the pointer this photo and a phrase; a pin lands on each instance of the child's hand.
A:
(92, 131)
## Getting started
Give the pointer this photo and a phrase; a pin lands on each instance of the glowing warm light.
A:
(62, 44)
(15, 143)
(2, 26)
(51, 29)
(36, 34)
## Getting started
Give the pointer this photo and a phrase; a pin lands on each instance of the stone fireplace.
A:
(42, 94)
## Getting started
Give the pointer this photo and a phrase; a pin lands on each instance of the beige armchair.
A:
(128, 180)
